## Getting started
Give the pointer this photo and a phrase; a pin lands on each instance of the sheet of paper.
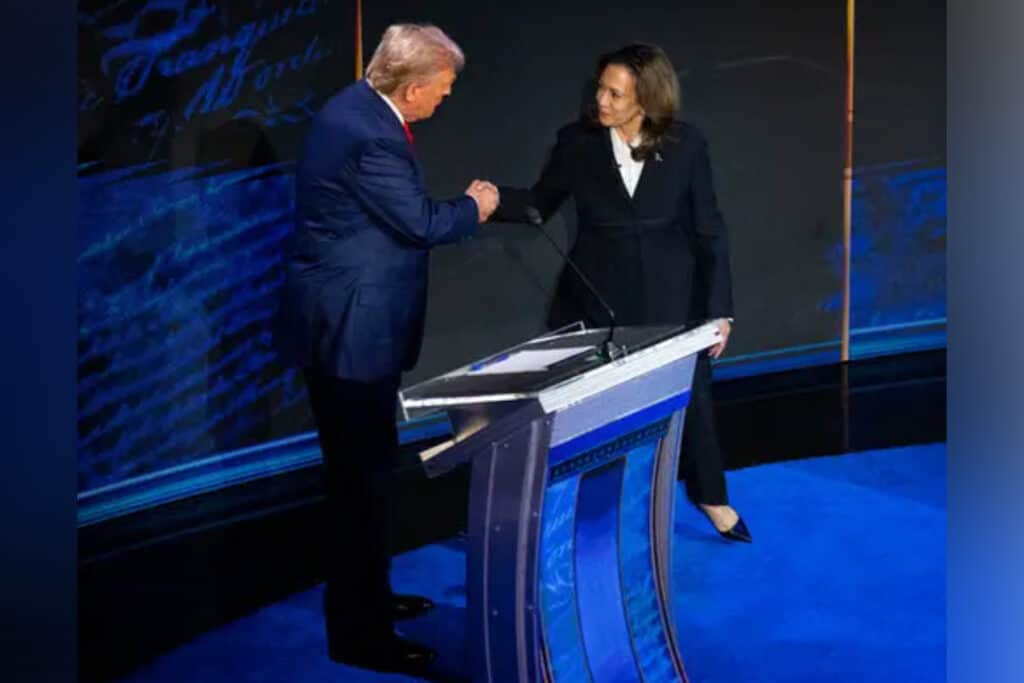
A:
(530, 360)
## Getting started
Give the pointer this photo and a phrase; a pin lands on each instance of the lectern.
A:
(573, 462)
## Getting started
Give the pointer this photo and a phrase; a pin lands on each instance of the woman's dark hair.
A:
(657, 91)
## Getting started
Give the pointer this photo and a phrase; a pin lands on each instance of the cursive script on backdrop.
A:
(151, 71)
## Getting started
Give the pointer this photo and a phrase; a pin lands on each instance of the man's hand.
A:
(726, 328)
(485, 195)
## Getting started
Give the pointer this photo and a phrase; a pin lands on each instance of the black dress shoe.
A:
(738, 532)
(410, 606)
(393, 654)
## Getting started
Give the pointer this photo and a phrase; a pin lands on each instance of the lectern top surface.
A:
(538, 364)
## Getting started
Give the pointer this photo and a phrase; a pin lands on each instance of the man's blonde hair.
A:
(411, 52)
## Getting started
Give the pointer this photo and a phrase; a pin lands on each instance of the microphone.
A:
(609, 349)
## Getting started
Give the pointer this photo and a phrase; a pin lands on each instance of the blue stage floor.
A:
(845, 582)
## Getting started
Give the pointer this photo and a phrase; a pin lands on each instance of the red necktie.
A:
(408, 133)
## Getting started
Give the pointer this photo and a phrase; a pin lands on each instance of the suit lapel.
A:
(648, 174)
(608, 156)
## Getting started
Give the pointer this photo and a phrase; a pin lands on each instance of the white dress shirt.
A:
(629, 168)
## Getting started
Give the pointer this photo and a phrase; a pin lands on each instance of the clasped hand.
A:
(486, 196)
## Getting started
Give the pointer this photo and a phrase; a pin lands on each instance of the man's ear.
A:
(408, 92)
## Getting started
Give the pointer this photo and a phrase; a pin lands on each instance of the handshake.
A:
(485, 195)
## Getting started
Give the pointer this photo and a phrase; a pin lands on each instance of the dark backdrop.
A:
(192, 112)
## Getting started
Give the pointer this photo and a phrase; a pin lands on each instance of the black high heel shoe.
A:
(738, 532)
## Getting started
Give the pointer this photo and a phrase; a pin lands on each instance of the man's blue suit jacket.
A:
(356, 278)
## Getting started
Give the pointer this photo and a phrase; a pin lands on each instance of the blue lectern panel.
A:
(606, 637)
(558, 584)
(646, 618)
(586, 451)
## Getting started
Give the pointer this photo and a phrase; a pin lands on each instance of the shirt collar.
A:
(387, 100)
(621, 146)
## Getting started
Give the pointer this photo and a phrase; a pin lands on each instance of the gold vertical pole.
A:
(359, 39)
(847, 182)
(847, 224)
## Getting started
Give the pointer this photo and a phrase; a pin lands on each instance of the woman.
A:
(650, 235)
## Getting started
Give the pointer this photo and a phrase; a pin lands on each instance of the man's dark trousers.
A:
(359, 440)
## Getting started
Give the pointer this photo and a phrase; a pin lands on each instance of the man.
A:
(355, 295)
